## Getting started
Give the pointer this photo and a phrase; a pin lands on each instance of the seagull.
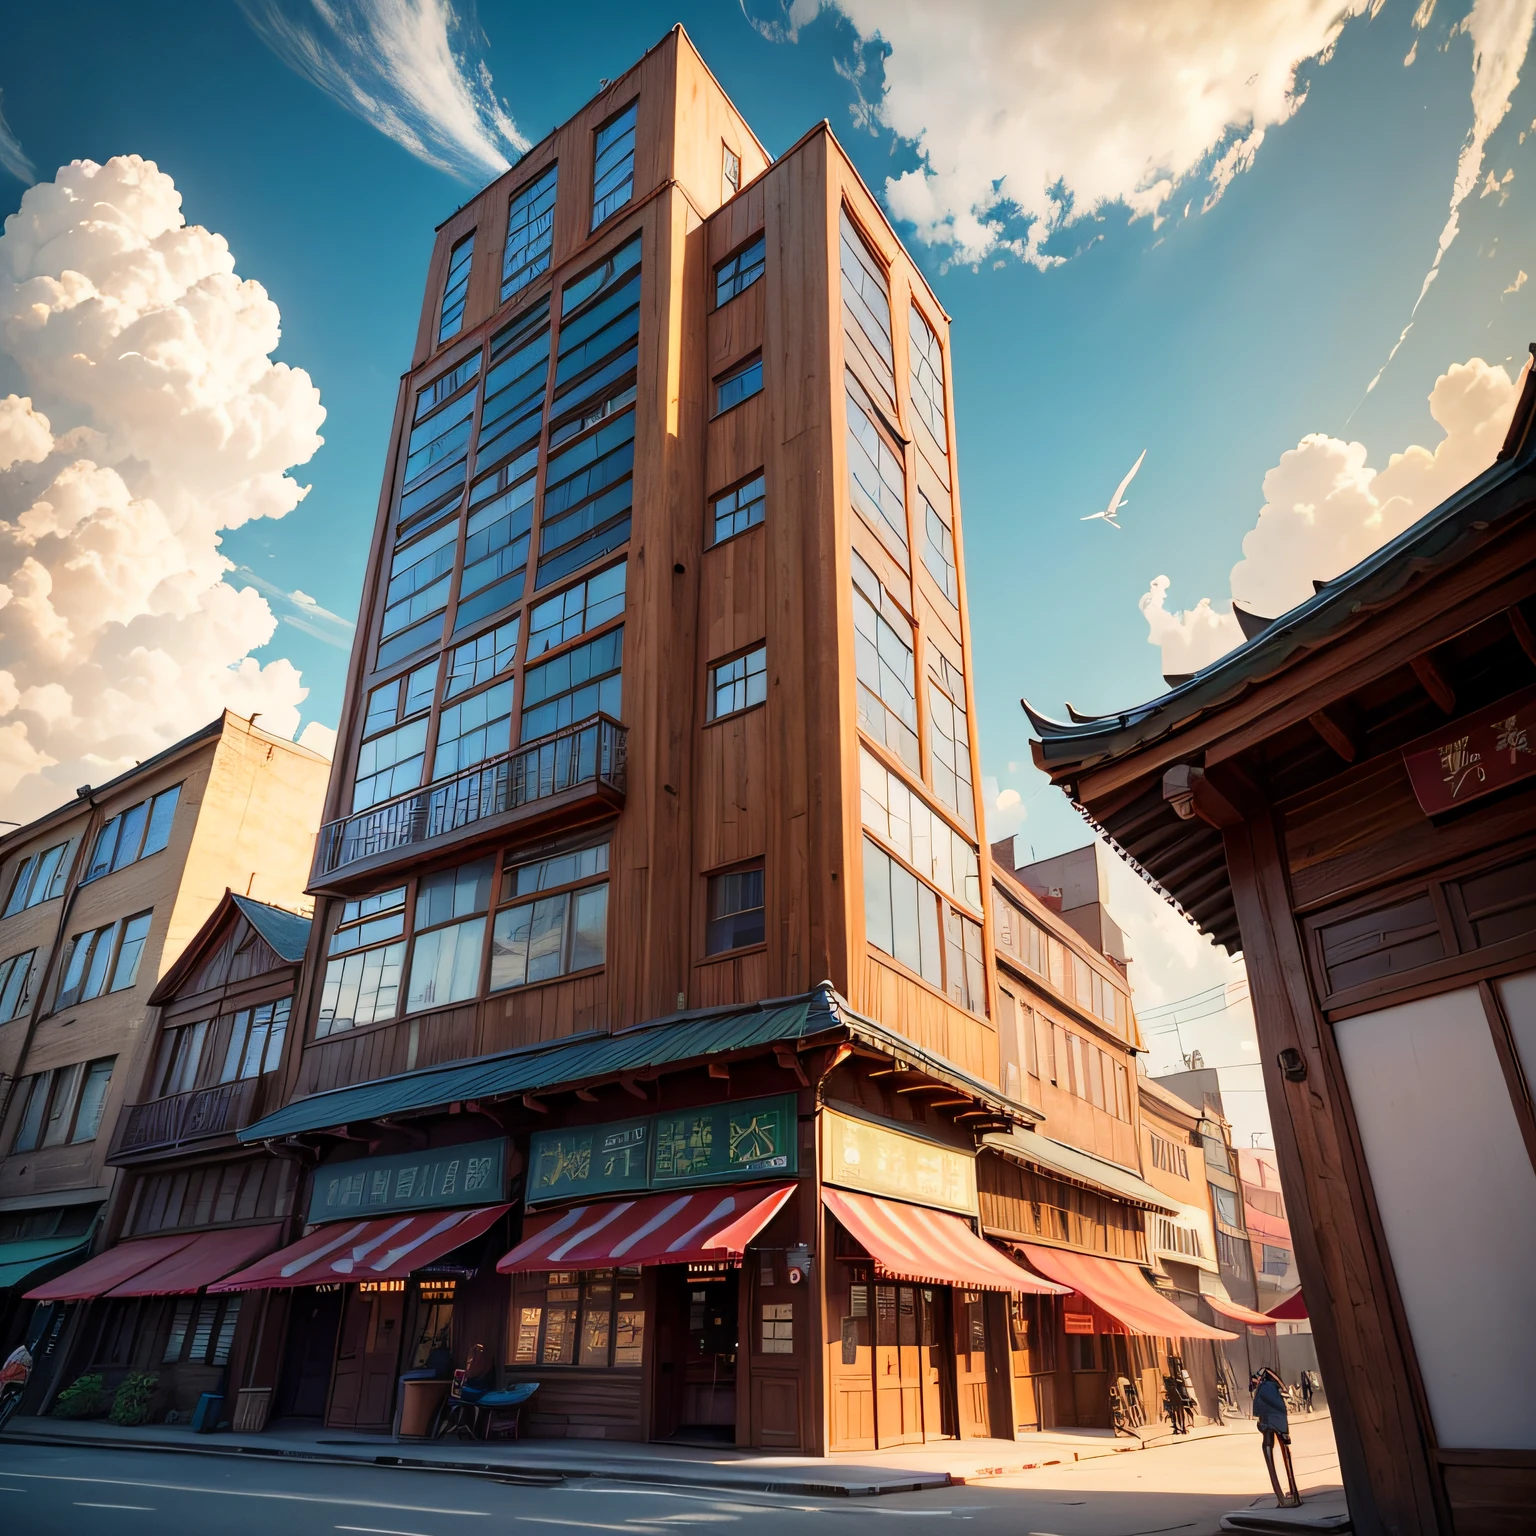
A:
(1118, 499)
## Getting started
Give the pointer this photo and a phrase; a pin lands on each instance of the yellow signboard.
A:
(858, 1154)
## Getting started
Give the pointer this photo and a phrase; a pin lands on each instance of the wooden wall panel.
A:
(736, 328)
(735, 979)
(549, 1011)
(732, 595)
(731, 791)
(707, 121)
(902, 1003)
(736, 446)
(579, 1404)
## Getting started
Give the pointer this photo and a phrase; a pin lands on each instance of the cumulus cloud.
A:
(12, 157)
(1325, 509)
(412, 68)
(1029, 115)
(155, 418)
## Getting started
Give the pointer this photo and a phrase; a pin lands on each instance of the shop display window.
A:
(778, 1328)
(569, 1317)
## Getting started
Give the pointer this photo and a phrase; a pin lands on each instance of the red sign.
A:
(1078, 1322)
(1476, 755)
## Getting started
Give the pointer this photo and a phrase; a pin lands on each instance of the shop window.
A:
(39, 877)
(588, 1318)
(434, 1321)
(778, 1335)
(737, 273)
(202, 1330)
(455, 289)
(530, 233)
(734, 511)
(132, 835)
(735, 911)
(613, 165)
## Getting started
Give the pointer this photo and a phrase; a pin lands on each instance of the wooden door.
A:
(898, 1382)
(367, 1360)
(933, 1332)
(850, 1360)
(309, 1352)
(971, 1394)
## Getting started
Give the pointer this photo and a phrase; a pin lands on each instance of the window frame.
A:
(712, 684)
(455, 290)
(749, 366)
(870, 511)
(600, 213)
(742, 867)
(113, 935)
(730, 172)
(599, 680)
(513, 283)
(43, 1096)
(760, 502)
(18, 997)
(566, 891)
(28, 870)
(735, 259)
(141, 834)
(417, 930)
(916, 359)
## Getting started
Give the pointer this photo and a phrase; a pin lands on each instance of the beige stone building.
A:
(97, 900)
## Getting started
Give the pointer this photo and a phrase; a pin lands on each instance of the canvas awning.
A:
(203, 1262)
(1292, 1310)
(710, 1226)
(1239, 1313)
(381, 1248)
(1078, 1167)
(914, 1242)
(115, 1267)
(1117, 1287)
(20, 1259)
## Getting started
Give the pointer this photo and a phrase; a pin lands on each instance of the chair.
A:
(470, 1410)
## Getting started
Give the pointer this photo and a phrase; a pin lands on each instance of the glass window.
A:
(400, 699)
(39, 877)
(419, 576)
(588, 496)
(778, 1328)
(370, 920)
(439, 438)
(1225, 1201)
(256, 1040)
(15, 984)
(581, 682)
(613, 166)
(445, 386)
(738, 684)
(36, 1101)
(877, 484)
(479, 660)
(576, 610)
(56, 1123)
(530, 233)
(593, 1318)
(113, 950)
(741, 383)
(735, 910)
(1277, 1261)
(93, 1099)
(737, 273)
(64, 1106)
(360, 988)
(949, 744)
(884, 667)
(901, 915)
(496, 540)
(445, 965)
(125, 969)
(455, 289)
(927, 359)
(476, 728)
(730, 174)
(966, 970)
(181, 1056)
(553, 935)
(866, 306)
(559, 869)
(453, 893)
(390, 764)
(133, 834)
(514, 388)
(735, 511)
(939, 552)
(897, 814)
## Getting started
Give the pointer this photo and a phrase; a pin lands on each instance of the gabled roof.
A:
(285, 931)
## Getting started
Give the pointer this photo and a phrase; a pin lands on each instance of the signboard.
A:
(713, 1143)
(472, 1173)
(878, 1160)
(1474, 756)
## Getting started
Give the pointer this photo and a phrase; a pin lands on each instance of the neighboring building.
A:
(1350, 798)
(647, 1034)
(100, 898)
(1181, 1245)
(1069, 1194)
(1269, 1233)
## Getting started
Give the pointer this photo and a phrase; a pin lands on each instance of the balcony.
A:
(166, 1125)
(563, 779)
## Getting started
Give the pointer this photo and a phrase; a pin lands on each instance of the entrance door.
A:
(310, 1349)
(367, 1358)
(972, 1397)
(938, 1420)
(697, 1339)
(898, 1368)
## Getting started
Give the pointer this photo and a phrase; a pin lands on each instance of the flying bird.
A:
(1111, 512)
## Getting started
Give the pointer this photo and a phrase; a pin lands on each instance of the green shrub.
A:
(81, 1399)
(131, 1405)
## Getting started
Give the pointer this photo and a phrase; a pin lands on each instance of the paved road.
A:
(62, 1491)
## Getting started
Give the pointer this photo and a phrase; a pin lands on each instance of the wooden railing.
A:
(161, 1124)
(590, 752)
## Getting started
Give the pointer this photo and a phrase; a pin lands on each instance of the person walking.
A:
(1275, 1425)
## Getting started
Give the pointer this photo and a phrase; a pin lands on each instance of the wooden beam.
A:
(1335, 734)
(946, 1103)
(538, 1106)
(720, 1069)
(1523, 631)
(632, 1088)
(1432, 679)
(790, 1062)
(925, 1088)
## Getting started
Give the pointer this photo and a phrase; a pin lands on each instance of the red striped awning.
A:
(118, 1264)
(1292, 1310)
(1116, 1286)
(1238, 1313)
(383, 1248)
(912, 1242)
(706, 1226)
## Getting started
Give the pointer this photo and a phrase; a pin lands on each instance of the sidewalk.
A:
(858, 1474)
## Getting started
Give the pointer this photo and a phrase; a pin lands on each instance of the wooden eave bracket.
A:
(1193, 796)
(1434, 683)
(1524, 634)
(789, 1060)
(1329, 724)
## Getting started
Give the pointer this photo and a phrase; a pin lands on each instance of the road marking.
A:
(377, 1530)
(246, 1493)
(586, 1525)
(147, 1508)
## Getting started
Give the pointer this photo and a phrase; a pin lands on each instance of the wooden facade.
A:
(1348, 797)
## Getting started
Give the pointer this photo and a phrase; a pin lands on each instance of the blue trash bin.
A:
(209, 1410)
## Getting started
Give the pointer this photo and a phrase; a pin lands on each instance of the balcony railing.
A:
(163, 1124)
(589, 752)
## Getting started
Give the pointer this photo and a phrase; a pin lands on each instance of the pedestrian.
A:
(1305, 1388)
(1274, 1424)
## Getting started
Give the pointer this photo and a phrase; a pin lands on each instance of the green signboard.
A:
(713, 1143)
(472, 1173)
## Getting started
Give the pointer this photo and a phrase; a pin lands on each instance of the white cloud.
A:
(12, 157)
(154, 419)
(1041, 113)
(1520, 281)
(1325, 508)
(411, 68)
(318, 738)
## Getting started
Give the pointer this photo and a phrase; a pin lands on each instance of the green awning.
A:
(22, 1259)
(698, 1036)
(1055, 1157)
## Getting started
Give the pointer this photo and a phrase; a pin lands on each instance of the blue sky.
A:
(1214, 339)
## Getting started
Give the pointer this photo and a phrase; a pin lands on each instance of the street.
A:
(58, 1491)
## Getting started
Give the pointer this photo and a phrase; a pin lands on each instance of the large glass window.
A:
(613, 165)
(103, 959)
(736, 510)
(514, 388)
(877, 484)
(583, 681)
(939, 551)
(496, 539)
(949, 737)
(735, 910)
(927, 359)
(39, 877)
(474, 729)
(133, 834)
(256, 1040)
(738, 684)
(530, 233)
(395, 737)
(63, 1107)
(901, 915)
(588, 496)
(884, 666)
(455, 289)
(737, 273)
(449, 935)
(419, 576)
(965, 969)
(554, 934)
(576, 610)
(866, 307)
(15, 984)
(477, 661)
(181, 1057)
(367, 953)
(440, 437)
(437, 451)
(588, 1318)
(899, 816)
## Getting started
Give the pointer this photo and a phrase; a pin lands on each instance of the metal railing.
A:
(180, 1117)
(590, 752)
